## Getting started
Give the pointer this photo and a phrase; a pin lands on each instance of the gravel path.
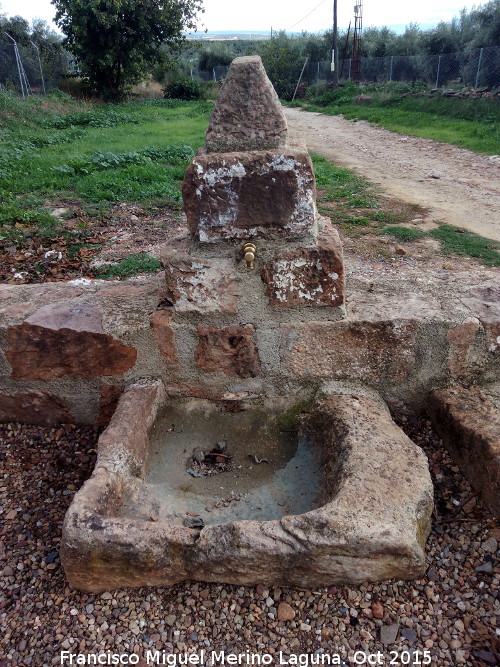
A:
(457, 186)
(454, 613)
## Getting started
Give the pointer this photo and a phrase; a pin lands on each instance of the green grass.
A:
(341, 185)
(130, 266)
(461, 242)
(135, 152)
(403, 233)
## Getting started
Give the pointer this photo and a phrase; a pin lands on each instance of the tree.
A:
(114, 42)
(283, 61)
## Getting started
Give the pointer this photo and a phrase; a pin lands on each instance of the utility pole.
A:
(335, 49)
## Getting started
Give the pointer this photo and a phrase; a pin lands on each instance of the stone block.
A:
(308, 276)
(369, 351)
(65, 340)
(248, 114)
(109, 395)
(461, 339)
(34, 407)
(231, 350)
(469, 425)
(239, 195)
(161, 321)
(200, 285)
(123, 446)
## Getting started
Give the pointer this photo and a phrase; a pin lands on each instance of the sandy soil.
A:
(455, 185)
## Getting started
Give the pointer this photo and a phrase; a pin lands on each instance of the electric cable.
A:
(311, 12)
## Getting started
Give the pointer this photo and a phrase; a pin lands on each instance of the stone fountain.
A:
(238, 489)
(246, 435)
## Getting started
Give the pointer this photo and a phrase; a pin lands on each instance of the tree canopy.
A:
(115, 42)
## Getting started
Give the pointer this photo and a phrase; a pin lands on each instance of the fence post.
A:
(390, 75)
(479, 67)
(439, 68)
(215, 77)
(40, 65)
(317, 74)
(16, 53)
(300, 78)
(350, 63)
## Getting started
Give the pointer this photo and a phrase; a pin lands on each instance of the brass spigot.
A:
(250, 250)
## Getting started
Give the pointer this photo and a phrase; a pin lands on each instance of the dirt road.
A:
(454, 185)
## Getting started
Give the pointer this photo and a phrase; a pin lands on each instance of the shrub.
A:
(184, 89)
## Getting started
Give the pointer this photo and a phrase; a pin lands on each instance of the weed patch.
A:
(462, 242)
(403, 233)
(132, 265)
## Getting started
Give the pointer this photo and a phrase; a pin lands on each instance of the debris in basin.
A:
(211, 462)
(220, 446)
(198, 455)
(194, 473)
(193, 522)
(257, 460)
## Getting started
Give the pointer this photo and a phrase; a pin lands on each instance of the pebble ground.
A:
(453, 613)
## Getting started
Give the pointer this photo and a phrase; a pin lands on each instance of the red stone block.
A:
(308, 276)
(231, 350)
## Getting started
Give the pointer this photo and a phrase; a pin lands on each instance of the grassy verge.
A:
(56, 153)
(62, 151)
(469, 123)
(354, 206)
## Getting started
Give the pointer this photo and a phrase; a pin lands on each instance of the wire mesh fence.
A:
(27, 69)
(479, 68)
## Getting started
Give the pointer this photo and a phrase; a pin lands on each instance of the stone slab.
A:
(240, 195)
(66, 340)
(195, 285)
(469, 424)
(248, 114)
(308, 276)
(230, 350)
(371, 351)
(38, 407)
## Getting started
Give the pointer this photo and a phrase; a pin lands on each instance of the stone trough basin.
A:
(347, 499)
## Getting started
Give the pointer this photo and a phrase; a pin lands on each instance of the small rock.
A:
(486, 567)
(193, 522)
(170, 620)
(400, 250)
(198, 455)
(378, 610)
(487, 657)
(409, 634)
(7, 571)
(305, 627)
(388, 634)
(490, 545)
(460, 657)
(285, 612)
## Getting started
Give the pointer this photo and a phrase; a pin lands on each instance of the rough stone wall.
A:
(400, 338)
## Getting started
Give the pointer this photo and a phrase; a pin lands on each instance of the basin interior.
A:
(286, 482)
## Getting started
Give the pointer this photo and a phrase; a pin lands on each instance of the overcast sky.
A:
(287, 14)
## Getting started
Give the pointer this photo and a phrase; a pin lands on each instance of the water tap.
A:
(250, 250)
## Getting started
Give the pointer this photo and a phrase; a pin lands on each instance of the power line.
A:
(311, 12)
